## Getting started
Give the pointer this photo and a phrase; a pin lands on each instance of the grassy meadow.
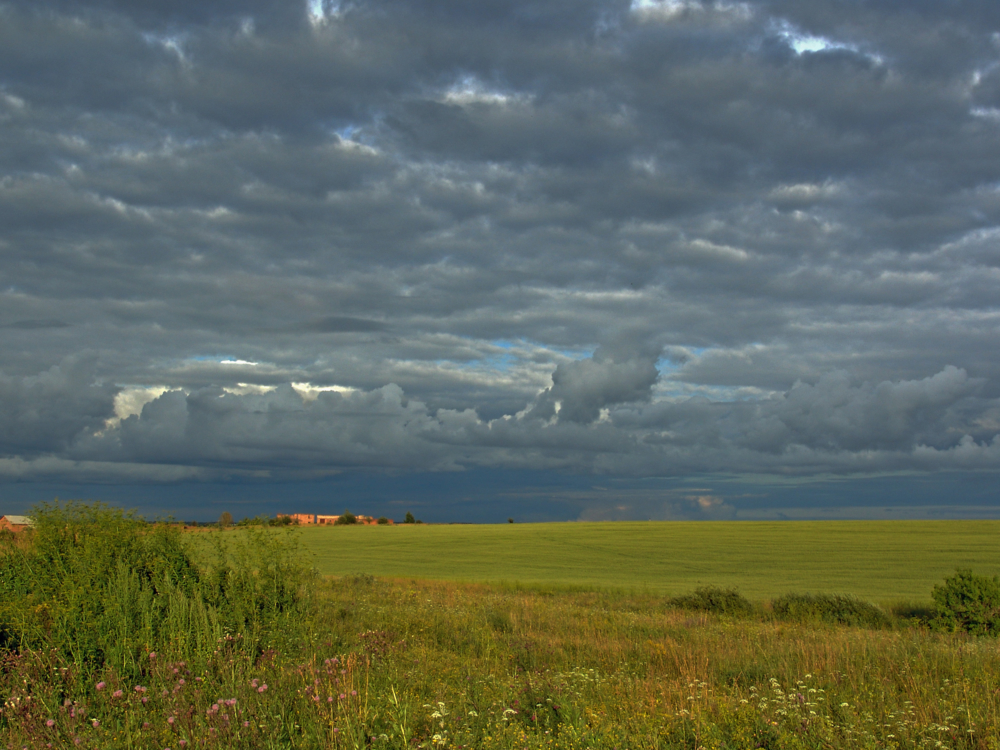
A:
(880, 560)
(117, 634)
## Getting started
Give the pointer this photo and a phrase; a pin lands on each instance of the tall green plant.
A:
(103, 587)
(968, 602)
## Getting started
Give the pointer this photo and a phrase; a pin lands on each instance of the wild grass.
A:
(399, 663)
(881, 561)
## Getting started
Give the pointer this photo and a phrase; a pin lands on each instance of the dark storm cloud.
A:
(45, 413)
(646, 239)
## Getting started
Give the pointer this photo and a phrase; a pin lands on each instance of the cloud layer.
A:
(652, 239)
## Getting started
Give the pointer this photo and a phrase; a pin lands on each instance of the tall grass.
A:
(103, 588)
(435, 665)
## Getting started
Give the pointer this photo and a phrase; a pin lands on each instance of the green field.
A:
(879, 560)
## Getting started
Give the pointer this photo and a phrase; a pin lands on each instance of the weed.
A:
(834, 608)
(717, 600)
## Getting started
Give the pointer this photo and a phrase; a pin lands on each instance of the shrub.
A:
(714, 599)
(255, 521)
(346, 519)
(409, 518)
(834, 608)
(382, 521)
(968, 602)
(226, 519)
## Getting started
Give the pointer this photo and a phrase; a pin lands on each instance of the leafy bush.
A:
(346, 519)
(834, 608)
(409, 518)
(382, 521)
(714, 599)
(103, 587)
(268, 521)
(968, 602)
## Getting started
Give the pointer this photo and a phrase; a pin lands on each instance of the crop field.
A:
(879, 560)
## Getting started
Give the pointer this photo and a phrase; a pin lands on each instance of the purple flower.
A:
(117, 694)
(50, 723)
(96, 723)
(152, 654)
(101, 686)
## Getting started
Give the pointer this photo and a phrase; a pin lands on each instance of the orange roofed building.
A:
(307, 519)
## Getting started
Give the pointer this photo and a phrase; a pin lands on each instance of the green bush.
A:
(834, 608)
(714, 599)
(103, 587)
(346, 519)
(968, 602)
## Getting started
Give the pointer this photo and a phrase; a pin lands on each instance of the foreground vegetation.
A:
(361, 662)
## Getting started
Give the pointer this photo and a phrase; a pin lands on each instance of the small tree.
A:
(346, 519)
(410, 518)
(510, 520)
(968, 602)
(226, 519)
(383, 521)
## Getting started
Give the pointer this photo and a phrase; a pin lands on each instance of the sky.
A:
(480, 259)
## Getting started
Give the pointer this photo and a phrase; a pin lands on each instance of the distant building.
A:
(302, 519)
(332, 520)
(15, 523)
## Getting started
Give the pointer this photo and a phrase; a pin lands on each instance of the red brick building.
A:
(15, 523)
